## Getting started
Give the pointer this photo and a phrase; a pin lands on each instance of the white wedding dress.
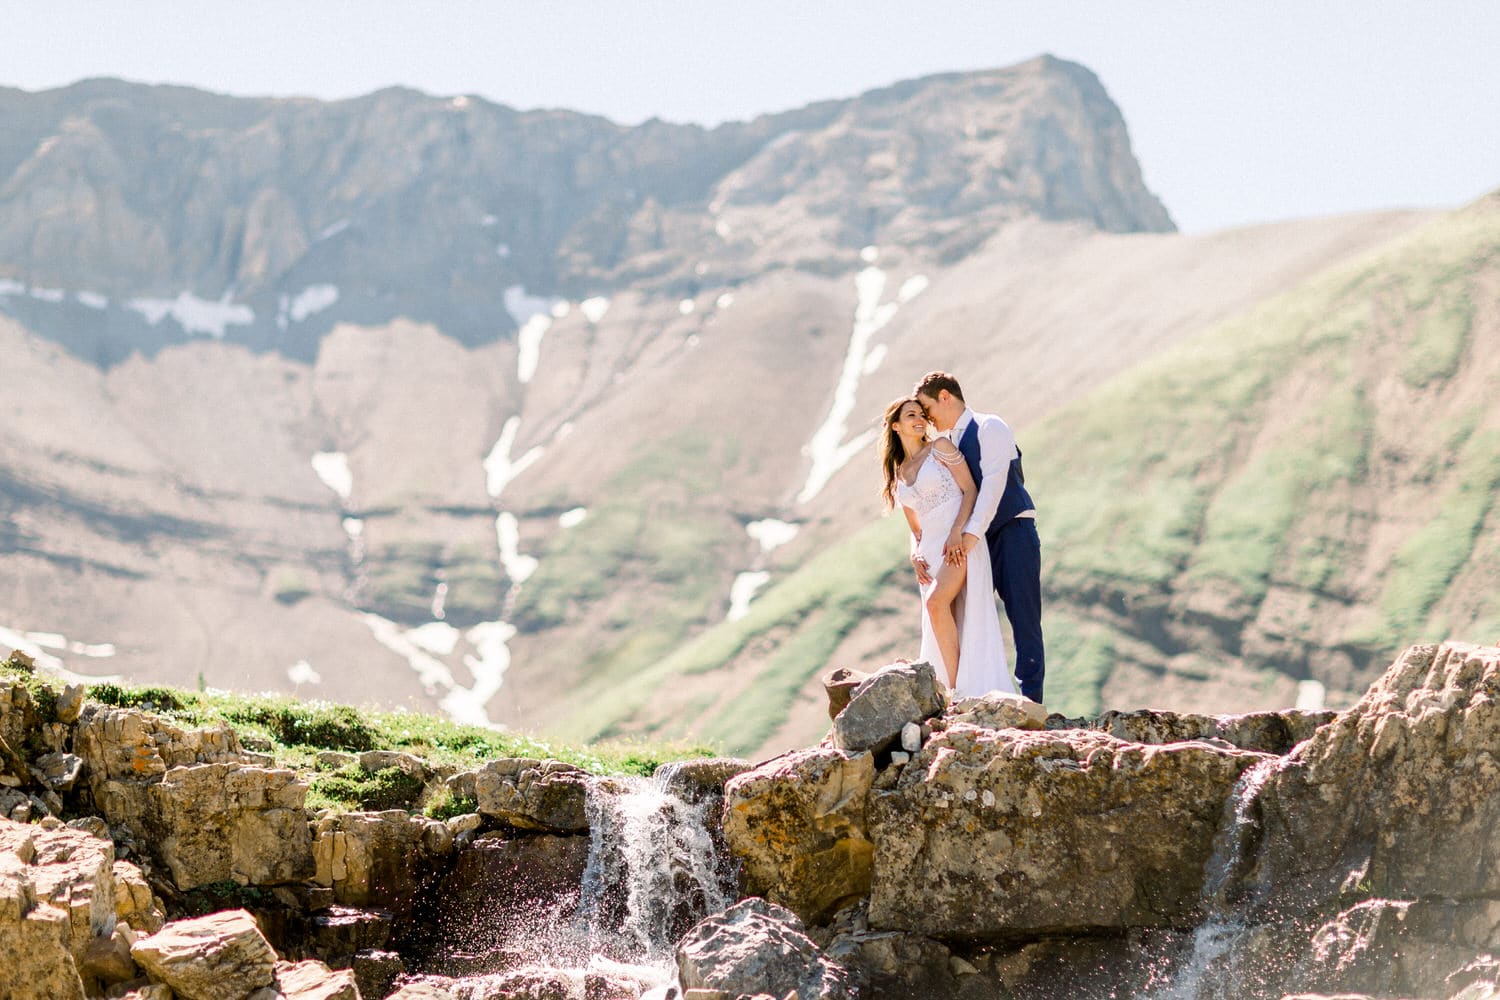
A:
(982, 666)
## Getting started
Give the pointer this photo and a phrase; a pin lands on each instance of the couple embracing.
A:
(973, 530)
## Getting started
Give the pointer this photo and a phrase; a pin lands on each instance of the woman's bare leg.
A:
(950, 580)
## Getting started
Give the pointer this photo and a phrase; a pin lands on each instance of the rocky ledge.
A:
(976, 849)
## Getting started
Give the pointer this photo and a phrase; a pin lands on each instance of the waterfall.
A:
(653, 870)
(585, 915)
(1205, 973)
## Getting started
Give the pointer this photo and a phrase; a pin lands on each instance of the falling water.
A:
(653, 872)
(1216, 938)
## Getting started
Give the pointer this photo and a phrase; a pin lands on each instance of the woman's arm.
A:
(924, 572)
(953, 460)
(916, 527)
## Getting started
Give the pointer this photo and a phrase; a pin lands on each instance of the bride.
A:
(932, 483)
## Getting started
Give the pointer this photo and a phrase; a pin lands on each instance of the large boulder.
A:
(998, 833)
(549, 796)
(205, 808)
(312, 980)
(222, 956)
(757, 947)
(885, 702)
(797, 825)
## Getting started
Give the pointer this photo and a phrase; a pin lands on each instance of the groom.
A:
(1003, 516)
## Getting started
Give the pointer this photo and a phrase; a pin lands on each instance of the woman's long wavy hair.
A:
(892, 453)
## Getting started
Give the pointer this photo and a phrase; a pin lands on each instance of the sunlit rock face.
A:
(209, 811)
(1396, 799)
(797, 825)
(57, 894)
(989, 833)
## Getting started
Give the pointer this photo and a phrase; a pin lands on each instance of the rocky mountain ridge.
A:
(265, 221)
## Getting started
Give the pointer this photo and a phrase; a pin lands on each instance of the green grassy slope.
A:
(1298, 492)
(1315, 476)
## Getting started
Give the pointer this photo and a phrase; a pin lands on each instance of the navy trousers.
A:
(1016, 561)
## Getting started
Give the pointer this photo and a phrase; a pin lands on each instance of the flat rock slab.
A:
(222, 956)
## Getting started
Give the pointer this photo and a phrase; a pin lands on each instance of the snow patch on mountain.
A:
(827, 449)
(771, 533)
(594, 309)
(499, 470)
(332, 468)
(193, 314)
(508, 534)
(742, 592)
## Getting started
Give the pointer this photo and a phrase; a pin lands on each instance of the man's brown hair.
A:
(935, 382)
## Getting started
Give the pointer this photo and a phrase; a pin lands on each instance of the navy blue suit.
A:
(1016, 562)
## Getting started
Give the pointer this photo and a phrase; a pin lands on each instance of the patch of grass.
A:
(1442, 337)
(355, 788)
(297, 731)
(1247, 524)
(315, 724)
(444, 805)
(151, 698)
(1420, 572)
(1080, 656)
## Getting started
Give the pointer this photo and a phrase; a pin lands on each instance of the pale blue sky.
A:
(1240, 112)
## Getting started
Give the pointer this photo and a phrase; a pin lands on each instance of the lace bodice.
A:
(934, 487)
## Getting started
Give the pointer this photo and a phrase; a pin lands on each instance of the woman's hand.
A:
(955, 552)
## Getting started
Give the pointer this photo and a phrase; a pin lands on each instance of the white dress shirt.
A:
(997, 449)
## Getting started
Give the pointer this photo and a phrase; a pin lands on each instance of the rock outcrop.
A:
(1264, 732)
(529, 794)
(378, 859)
(1369, 859)
(991, 833)
(57, 899)
(992, 859)
(209, 811)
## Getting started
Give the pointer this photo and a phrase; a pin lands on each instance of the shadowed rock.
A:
(754, 947)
